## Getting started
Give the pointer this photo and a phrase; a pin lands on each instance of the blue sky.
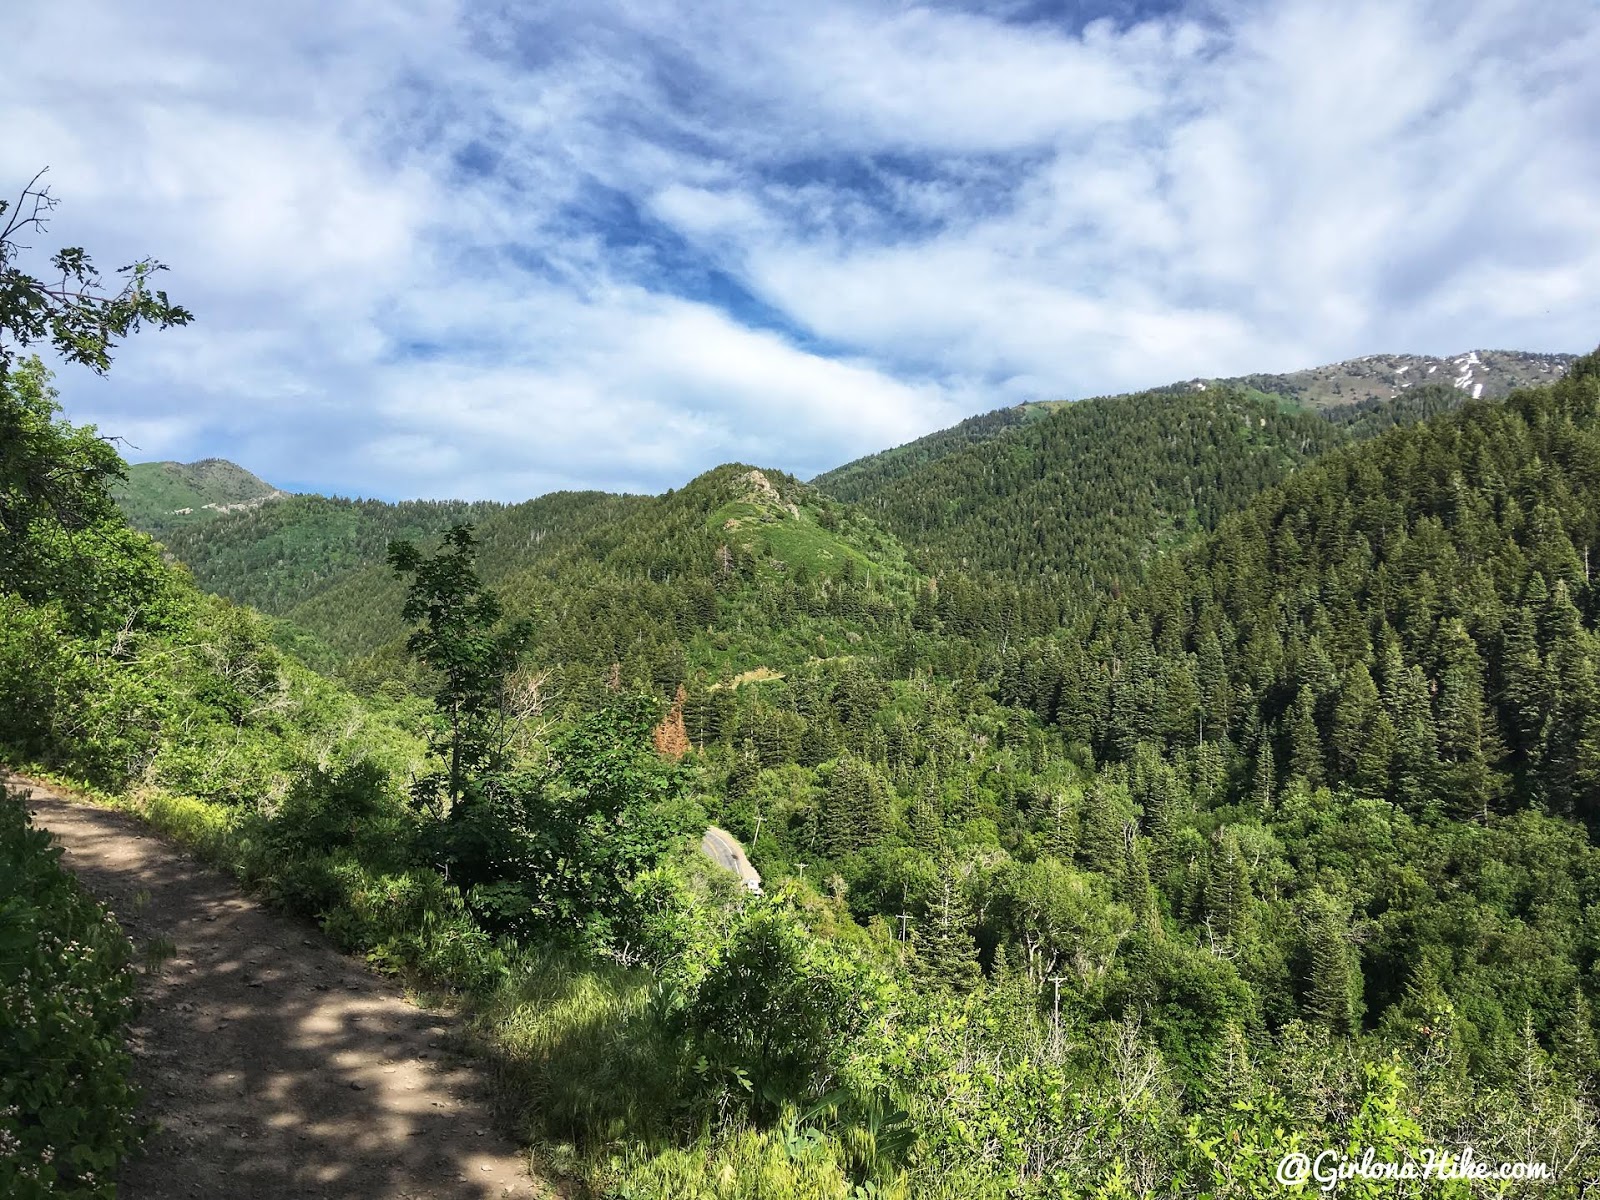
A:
(460, 249)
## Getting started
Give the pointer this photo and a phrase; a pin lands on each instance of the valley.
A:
(863, 600)
(1199, 733)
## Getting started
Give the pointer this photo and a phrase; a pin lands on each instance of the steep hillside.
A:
(1413, 618)
(1087, 492)
(1345, 392)
(274, 556)
(864, 476)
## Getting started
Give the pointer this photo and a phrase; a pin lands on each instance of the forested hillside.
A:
(1026, 499)
(1085, 490)
(860, 478)
(736, 566)
(1087, 493)
(278, 556)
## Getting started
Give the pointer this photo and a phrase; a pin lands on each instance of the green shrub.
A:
(66, 995)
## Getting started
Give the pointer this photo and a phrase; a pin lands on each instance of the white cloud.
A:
(437, 253)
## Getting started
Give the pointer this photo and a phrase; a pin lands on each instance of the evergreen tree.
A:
(1061, 822)
(1305, 746)
(1216, 692)
(857, 807)
(923, 819)
(1227, 891)
(1524, 689)
(1264, 788)
(1137, 890)
(1568, 758)
(1375, 760)
(1576, 1047)
(1352, 719)
(1416, 748)
(946, 955)
(1466, 735)
(1333, 990)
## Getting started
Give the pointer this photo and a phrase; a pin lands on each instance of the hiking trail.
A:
(276, 1066)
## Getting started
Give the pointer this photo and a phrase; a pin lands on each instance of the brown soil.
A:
(275, 1065)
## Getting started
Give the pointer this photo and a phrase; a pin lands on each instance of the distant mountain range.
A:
(1477, 374)
(1357, 382)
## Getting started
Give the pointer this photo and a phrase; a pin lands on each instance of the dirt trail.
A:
(275, 1065)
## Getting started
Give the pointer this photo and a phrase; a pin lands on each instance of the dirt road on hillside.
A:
(276, 1066)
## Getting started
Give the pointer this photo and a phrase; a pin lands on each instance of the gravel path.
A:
(275, 1065)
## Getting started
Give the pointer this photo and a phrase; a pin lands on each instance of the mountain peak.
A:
(160, 495)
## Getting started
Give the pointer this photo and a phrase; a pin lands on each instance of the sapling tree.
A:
(475, 657)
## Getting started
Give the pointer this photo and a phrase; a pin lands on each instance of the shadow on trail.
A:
(275, 1065)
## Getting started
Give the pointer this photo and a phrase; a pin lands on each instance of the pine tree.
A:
(1466, 735)
(1234, 1070)
(1352, 719)
(1567, 764)
(923, 819)
(1137, 890)
(1305, 746)
(1576, 1048)
(1524, 688)
(746, 767)
(946, 955)
(1315, 670)
(1334, 988)
(1559, 619)
(1179, 703)
(1208, 772)
(1061, 822)
(1263, 788)
(1416, 748)
(1216, 692)
(1228, 897)
(1106, 812)
(1156, 790)
(1375, 759)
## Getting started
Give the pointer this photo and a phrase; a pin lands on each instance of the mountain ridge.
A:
(1491, 374)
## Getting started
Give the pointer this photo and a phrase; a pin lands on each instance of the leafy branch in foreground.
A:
(77, 315)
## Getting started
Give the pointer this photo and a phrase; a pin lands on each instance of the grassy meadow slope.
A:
(163, 496)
